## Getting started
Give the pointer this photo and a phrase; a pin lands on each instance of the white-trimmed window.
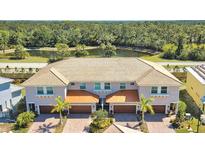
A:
(97, 86)
(49, 90)
(154, 90)
(44, 90)
(122, 85)
(82, 85)
(107, 86)
(40, 91)
(163, 90)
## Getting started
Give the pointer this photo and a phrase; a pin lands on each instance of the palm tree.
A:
(146, 106)
(60, 107)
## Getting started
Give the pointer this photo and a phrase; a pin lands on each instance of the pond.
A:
(92, 53)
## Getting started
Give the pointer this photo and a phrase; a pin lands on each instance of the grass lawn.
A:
(193, 123)
(157, 58)
(31, 59)
(93, 52)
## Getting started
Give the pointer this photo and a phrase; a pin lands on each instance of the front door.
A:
(32, 107)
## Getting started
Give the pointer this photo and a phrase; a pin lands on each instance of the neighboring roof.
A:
(158, 72)
(5, 80)
(15, 88)
(198, 72)
(81, 96)
(45, 77)
(123, 96)
(98, 70)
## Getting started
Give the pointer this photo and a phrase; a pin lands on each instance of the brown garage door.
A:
(125, 109)
(45, 109)
(80, 109)
(159, 108)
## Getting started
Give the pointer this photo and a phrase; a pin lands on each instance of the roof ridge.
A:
(143, 75)
(148, 63)
(59, 75)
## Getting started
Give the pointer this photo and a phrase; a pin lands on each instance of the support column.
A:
(176, 109)
(111, 109)
(138, 108)
(27, 107)
(37, 109)
(93, 108)
(167, 108)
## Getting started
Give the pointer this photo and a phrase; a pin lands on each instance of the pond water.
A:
(92, 53)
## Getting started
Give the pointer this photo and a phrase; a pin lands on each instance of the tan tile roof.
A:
(97, 70)
(81, 96)
(123, 96)
(158, 75)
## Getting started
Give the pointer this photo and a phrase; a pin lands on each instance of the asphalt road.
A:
(23, 65)
(181, 63)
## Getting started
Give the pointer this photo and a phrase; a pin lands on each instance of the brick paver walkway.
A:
(77, 123)
(158, 123)
(44, 123)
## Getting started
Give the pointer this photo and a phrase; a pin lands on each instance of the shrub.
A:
(100, 114)
(24, 119)
(20, 52)
(81, 53)
(100, 121)
(180, 117)
(110, 53)
(21, 106)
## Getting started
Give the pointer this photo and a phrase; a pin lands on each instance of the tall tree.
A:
(60, 107)
(62, 49)
(146, 106)
(4, 38)
(20, 52)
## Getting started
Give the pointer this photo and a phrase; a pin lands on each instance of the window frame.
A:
(99, 86)
(121, 87)
(47, 91)
(37, 91)
(107, 86)
(82, 86)
(155, 90)
(164, 89)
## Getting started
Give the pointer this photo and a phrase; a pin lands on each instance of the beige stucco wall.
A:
(171, 97)
(31, 96)
(102, 93)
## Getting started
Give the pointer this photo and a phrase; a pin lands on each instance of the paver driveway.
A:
(127, 120)
(158, 123)
(77, 123)
(44, 123)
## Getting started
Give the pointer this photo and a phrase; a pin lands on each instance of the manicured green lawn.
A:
(157, 58)
(31, 59)
(193, 123)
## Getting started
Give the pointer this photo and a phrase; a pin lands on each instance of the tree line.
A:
(152, 35)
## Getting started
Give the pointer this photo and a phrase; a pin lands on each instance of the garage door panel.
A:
(159, 108)
(124, 109)
(80, 109)
(45, 109)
